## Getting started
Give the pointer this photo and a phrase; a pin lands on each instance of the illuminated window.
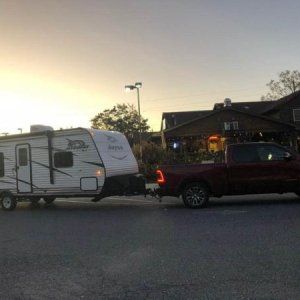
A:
(227, 125)
(235, 125)
(231, 125)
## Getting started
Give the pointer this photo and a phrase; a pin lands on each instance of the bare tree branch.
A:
(288, 83)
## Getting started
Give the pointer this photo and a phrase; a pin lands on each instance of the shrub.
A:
(154, 155)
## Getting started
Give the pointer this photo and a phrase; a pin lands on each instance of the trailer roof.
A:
(39, 133)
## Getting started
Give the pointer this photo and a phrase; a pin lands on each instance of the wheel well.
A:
(6, 192)
(189, 181)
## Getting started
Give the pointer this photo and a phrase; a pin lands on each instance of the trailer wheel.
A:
(195, 195)
(49, 200)
(8, 201)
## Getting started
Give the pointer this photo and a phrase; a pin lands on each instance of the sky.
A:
(64, 61)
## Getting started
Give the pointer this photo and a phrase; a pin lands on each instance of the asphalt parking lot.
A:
(137, 248)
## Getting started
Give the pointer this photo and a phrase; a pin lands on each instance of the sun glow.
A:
(27, 99)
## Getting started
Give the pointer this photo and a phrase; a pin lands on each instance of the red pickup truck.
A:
(249, 168)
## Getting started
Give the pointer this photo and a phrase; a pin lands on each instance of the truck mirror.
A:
(287, 156)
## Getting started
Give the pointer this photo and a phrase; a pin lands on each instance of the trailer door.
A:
(23, 168)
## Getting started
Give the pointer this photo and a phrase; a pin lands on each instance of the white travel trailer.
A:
(66, 163)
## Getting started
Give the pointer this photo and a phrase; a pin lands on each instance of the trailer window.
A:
(1, 164)
(23, 158)
(63, 159)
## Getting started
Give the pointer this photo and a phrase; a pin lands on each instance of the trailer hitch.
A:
(153, 192)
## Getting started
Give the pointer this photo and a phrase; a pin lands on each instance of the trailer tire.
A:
(49, 200)
(195, 195)
(8, 201)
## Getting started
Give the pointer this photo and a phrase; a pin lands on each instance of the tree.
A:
(288, 83)
(123, 118)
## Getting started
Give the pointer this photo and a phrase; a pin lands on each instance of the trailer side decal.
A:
(54, 169)
(8, 182)
(76, 145)
(119, 158)
(61, 172)
(94, 164)
(26, 182)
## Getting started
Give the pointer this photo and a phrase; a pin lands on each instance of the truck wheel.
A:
(8, 201)
(195, 195)
(49, 200)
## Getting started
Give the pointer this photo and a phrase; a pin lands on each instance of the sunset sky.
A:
(64, 61)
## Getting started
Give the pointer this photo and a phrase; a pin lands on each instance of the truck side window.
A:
(63, 159)
(244, 153)
(270, 153)
(1, 164)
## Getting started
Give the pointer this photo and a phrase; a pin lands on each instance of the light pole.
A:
(137, 86)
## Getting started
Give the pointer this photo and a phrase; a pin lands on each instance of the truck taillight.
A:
(160, 179)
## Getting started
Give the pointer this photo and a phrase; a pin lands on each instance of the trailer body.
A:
(67, 163)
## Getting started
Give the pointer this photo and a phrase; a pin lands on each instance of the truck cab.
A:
(261, 168)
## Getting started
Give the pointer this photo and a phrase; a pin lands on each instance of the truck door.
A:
(279, 173)
(244, 173)
(261, 168)
(23, 168)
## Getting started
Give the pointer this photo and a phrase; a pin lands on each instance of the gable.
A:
(214, 123)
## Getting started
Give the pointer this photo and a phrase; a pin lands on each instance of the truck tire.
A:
(195, 195)
(8, 201)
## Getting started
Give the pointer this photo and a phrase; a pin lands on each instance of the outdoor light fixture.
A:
(128, 88)
(131, 87)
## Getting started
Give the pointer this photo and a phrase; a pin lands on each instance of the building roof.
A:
(211, 113)
(257, 107)
(173, 119)
(274, 105)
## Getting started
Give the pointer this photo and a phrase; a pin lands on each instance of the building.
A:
(277, 121)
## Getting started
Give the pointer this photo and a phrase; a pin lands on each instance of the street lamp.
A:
(137, 86)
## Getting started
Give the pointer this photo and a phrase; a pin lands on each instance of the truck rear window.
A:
(245, 153)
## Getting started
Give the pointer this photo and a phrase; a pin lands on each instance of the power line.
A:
(202, 94)
(193, 104)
